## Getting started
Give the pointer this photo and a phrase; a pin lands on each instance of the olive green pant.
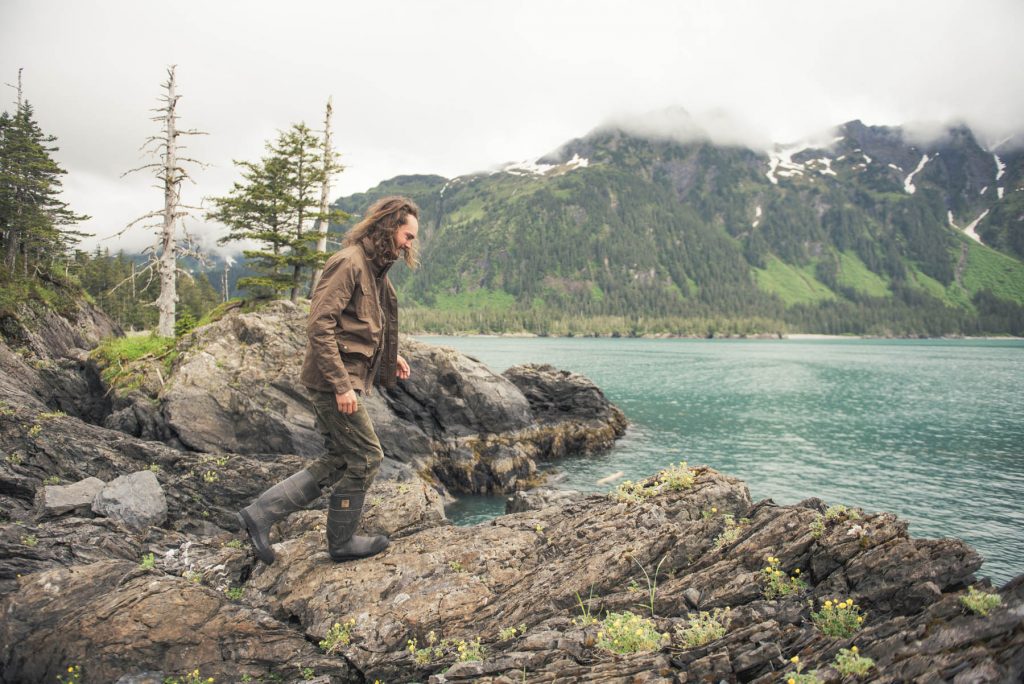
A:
(353, 450)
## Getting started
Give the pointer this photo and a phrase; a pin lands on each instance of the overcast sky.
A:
(456, 86)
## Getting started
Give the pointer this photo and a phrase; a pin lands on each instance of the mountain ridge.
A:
(873, 233)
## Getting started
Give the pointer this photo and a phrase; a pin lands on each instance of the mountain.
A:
(871, 232)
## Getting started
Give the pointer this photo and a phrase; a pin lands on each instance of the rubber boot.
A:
(342, 519)
(275, 504)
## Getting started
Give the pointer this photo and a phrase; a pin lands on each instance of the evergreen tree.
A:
(273, 204)
(32, 215)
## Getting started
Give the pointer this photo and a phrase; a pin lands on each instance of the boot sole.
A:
(247, 524)
(341, 558)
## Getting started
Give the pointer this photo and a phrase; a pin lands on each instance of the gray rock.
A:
(142, 678)
(541, 497)
(78, 497)
(136, 500)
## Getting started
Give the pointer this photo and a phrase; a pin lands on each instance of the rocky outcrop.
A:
(664, 553)
(235, 388)
(42, 352)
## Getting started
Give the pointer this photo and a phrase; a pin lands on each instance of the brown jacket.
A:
(352, 329)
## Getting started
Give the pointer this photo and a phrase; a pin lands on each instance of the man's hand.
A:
(403, 371)
(347, 402)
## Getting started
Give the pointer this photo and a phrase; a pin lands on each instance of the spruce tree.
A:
(33, 218)
(274, 205)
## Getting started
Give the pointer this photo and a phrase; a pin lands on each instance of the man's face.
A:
(406, 233)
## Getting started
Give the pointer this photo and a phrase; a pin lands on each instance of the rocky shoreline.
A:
(120, 555)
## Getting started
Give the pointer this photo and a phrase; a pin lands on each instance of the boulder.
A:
(135, 500)
(541, 497)
(78, 497)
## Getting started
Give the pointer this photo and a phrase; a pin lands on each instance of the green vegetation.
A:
(856, 276)
(673, 478)
(337, 637)
(838, 618)
(435, 650)
(777, 584)
(123, 360)
(703, 628)
(792, 284)
(148, 561)
(980, 602)
(798, 676)
(629, 633)
(849, 663)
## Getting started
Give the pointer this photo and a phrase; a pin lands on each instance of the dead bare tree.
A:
(330, 167)
(171, 174)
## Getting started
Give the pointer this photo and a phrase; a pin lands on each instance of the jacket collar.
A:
(381, 262)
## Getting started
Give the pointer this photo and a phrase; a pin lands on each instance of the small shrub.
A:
(184, 324)
(507, 633)
(841, 512)
(52, 480)
(234, 593)
(210, 476)
(585, 617)
(464, 651)
(818, 526)
(980, 602)
(34, 432)
(29, 540)
(74, 675)
(50, 415)
(708, 513)
(799, 676)
(338, 636)
(15, 459)
(154, 467)
(629, 633)
(235, 544)
(148, 561)
(674, 478)
(849, 662)
(307, 673)
(469, 651)
(731, 532)
(777, 583)
(704, 628)
(456, 566)
(838, 618)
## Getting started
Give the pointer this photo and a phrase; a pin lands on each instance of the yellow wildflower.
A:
(795, 659)
(797, 571)
(859, 619)
(828, 604)
(854, 649)
(714, 510)
(790, 681)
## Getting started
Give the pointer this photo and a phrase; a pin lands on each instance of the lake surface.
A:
(931, 430)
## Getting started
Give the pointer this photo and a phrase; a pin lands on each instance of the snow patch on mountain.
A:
(1000, 192)
(1000, 166)
(757, 217)
(534, 168)
(908, 183)
(780, 163)
(969, 229)
(983, 190)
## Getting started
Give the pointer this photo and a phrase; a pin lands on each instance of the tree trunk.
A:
(321, 225)
(168, 258)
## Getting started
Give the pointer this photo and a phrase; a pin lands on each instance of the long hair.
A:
(379, 224)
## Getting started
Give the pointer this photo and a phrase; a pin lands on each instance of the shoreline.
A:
(799, 337)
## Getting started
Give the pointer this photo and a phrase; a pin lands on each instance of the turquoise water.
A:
(930, 430)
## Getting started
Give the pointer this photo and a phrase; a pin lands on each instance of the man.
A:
(352, 333)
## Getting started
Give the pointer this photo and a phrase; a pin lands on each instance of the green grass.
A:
(990, 270)
(475, 300)
(116, 356)
(793, 285)
(854, 274)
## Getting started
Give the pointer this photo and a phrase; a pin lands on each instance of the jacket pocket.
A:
(350, 347)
